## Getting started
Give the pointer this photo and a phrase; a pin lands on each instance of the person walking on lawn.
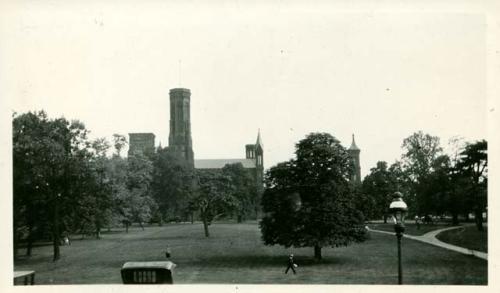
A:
(291, 265)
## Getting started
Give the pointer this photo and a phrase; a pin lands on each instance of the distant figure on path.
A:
(66, 241)
(428, 219)
(417, 222)
(168, 253)
(291, 265)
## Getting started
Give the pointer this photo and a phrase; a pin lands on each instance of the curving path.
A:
(430, 238)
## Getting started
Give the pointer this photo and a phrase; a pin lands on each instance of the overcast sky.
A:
(288, 70)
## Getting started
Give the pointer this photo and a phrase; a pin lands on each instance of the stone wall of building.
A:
(141, 142)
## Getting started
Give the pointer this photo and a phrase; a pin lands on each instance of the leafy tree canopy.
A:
(214, 196)
(308, 201)
(244, 190)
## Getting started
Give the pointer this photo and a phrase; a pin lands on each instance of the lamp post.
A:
(398, 209)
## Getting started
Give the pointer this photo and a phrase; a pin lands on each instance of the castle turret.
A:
(259, 152)
(250, 151)
(354, 152)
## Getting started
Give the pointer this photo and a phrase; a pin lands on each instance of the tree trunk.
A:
(57, 253)
(454, 220)
(240, 219)
(385, 219)
(97, 229)
(317, 252)
(29, 247)
(126, 227)
(55, 232)
(29, 244)
(479, 219)
(82, 231)
(205, 227)
(16, 242)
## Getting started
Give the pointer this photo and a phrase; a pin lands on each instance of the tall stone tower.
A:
(354, 154)
(179, 140)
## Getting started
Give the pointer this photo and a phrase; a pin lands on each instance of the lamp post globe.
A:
(398, 209)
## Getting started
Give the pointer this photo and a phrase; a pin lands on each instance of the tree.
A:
(172, 185)
(214, 197)
(46, 154)
(473, 166)
(28, 177)
(378, 186)
(244, 189)
(308, 201)
(116, 170)
(137, 204)
(95, 200)
(419, 152)
(120, 142)
(436, 187)
(456, 195)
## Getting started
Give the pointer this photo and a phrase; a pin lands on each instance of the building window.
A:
(185, 111)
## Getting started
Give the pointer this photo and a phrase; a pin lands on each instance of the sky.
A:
(286, 70)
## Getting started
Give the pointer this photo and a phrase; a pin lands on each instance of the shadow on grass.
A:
(173, 238)
(263, 261)
(32, 260)
(106, 232)
(467, 236)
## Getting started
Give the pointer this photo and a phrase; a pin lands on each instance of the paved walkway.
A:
(430, 238)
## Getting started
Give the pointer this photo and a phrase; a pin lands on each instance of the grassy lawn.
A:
(235, 254)
(410, 229)
(468, 237)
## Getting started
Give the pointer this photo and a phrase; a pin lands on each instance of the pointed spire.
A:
(259, 140)
(353, 146)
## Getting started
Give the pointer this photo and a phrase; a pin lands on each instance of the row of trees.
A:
(57, 177)
(310, 202)
(433, 182)
(65, 183)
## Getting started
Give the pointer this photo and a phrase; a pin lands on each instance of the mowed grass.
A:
(410, 229)
(468, 237)
(235, 254)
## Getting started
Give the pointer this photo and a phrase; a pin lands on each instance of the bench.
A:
(151, 272)
(28, 277)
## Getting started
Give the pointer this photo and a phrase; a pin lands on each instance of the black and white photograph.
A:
(248, 143)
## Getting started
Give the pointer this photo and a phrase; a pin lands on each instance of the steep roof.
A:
(220, 163)
(353, 146)
(259, 140)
